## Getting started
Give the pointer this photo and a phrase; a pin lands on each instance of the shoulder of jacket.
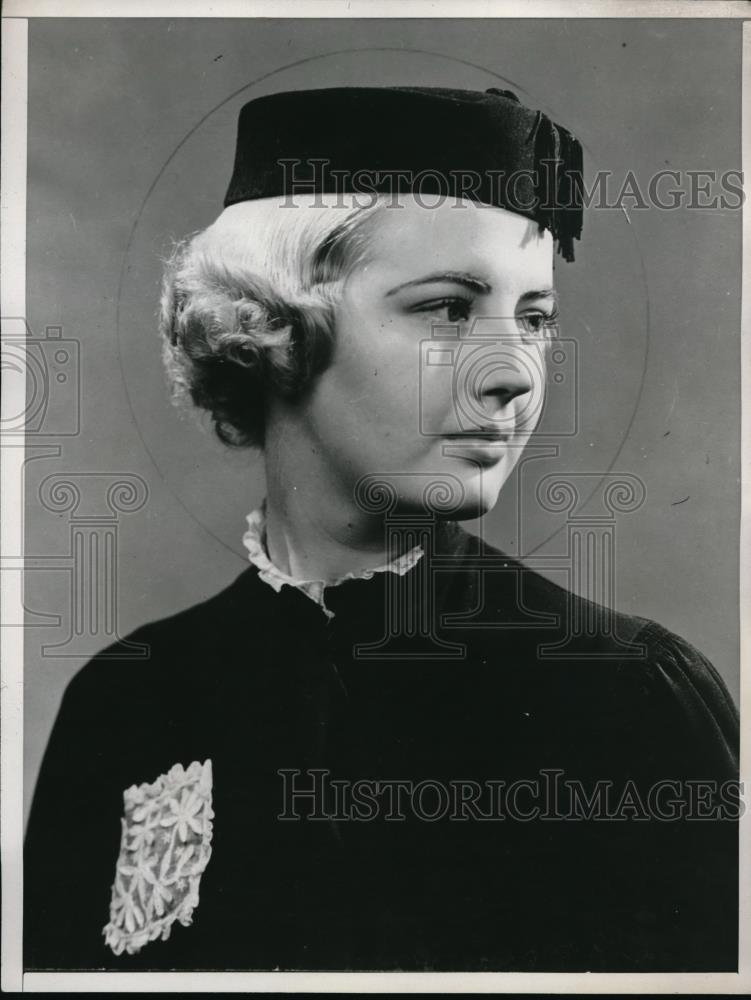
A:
(680, 662)
(181, 643)
(541, 594)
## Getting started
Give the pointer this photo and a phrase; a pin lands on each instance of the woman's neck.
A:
(314, 530)
(311, 537)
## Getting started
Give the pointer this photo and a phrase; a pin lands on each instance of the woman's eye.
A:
(538, 324)
(452, 310)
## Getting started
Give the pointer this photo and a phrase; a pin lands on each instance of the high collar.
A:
(254, 541)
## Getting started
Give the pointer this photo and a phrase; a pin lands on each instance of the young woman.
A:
(378, 748)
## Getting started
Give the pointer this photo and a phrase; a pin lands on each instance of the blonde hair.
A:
(247, 304)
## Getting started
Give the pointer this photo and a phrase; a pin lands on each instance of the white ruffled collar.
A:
(254, 541)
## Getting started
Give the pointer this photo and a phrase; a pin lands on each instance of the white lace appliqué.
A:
(164, 849)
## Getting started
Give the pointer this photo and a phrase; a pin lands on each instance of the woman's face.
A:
(438, 370)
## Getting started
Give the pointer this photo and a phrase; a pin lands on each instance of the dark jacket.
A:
(518, 681)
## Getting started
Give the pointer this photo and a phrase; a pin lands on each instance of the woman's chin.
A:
(454, 499)
(460, 490)
(475, 506)
(481, 488)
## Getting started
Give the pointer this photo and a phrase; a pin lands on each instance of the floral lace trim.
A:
(164, 849)
(254, 541)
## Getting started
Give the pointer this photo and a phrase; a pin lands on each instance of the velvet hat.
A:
(428, 141)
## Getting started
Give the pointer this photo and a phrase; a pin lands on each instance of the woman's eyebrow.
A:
(543, 293)
(443, 277)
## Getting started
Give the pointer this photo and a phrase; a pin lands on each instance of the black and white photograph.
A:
(373, 460)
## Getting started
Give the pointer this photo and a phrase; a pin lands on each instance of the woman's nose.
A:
(509, 372)
(507, 375)
(495, 367)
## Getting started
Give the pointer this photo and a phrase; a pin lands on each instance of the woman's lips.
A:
(493, 436)
(485, 447)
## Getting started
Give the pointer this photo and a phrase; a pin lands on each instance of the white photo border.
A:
(13, 303)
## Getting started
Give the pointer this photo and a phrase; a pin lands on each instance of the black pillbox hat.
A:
(485, 146)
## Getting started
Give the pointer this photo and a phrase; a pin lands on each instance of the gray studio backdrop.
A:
(133, 511)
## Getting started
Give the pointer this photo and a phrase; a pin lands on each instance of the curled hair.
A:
(247, 306)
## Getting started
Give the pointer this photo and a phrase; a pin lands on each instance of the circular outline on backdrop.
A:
(196, 127)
